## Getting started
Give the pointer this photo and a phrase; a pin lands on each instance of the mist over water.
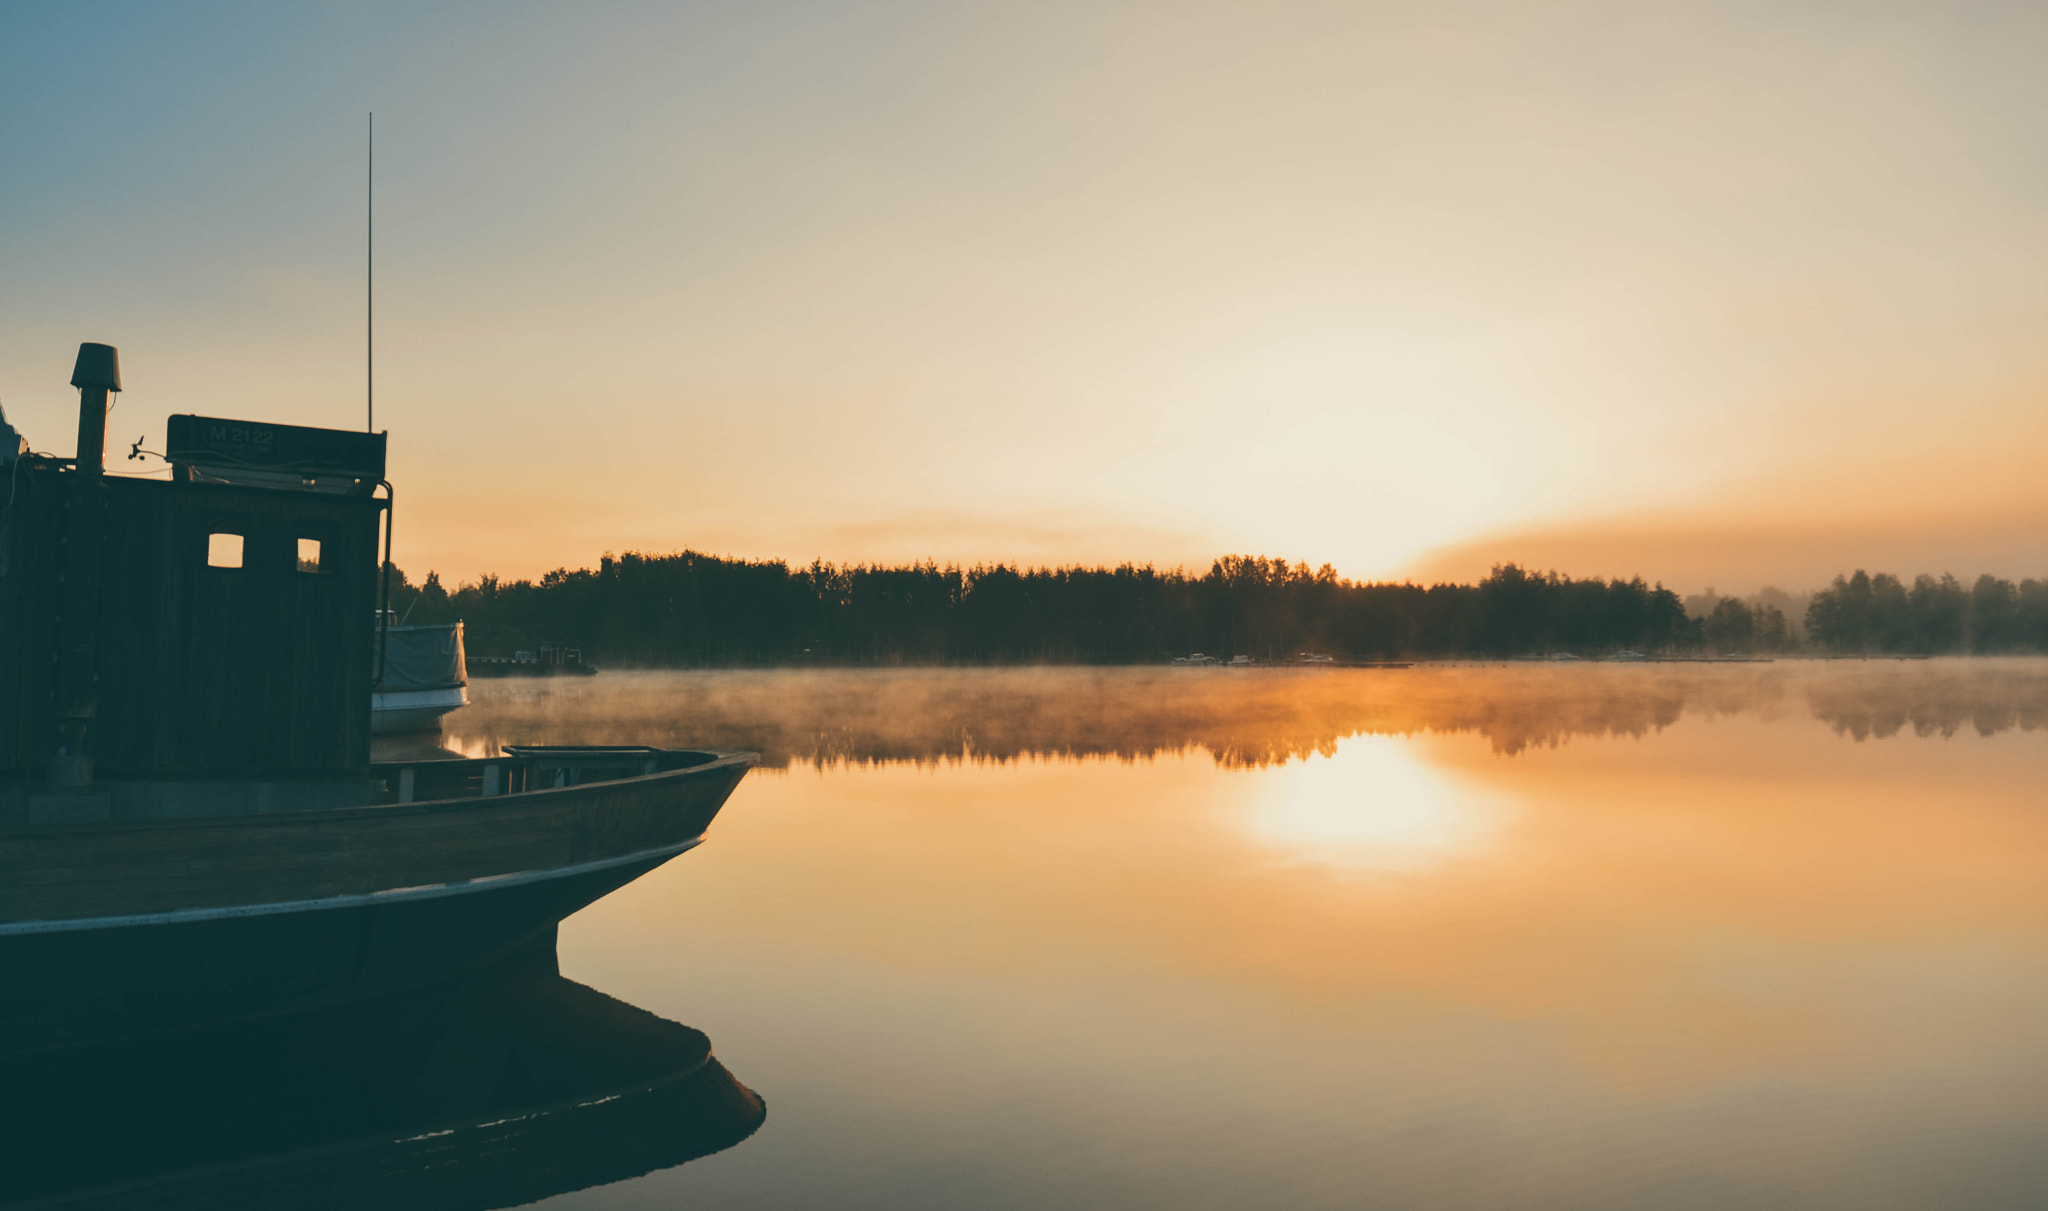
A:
(1254, 717)
(1510, 936)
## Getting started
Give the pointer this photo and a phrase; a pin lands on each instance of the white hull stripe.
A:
(396, 895)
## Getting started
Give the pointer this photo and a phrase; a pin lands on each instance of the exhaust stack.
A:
(97, 375)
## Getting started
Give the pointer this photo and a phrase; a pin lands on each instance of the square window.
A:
(223, 550)
(309, 555)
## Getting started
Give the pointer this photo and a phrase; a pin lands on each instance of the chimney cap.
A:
(98, 366)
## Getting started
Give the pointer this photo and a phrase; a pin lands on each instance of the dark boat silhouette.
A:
(191, 828)
(512, 1086)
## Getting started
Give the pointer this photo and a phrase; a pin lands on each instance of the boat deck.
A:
(527, 768)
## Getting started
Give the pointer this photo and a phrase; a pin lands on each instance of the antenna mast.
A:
(370, 282)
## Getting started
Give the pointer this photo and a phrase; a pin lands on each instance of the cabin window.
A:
(223, 550)
(309, 555)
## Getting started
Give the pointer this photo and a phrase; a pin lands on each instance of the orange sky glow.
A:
(1734, 295)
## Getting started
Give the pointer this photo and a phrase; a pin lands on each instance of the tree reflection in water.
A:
(1250, 718)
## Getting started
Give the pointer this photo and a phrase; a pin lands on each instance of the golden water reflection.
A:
(1748, 935)
(1374, 802)
(1239, 717)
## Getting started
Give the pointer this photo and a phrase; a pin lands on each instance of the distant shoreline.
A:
(688, 609)
(1421, 663)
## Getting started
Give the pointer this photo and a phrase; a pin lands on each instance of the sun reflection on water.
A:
(1373, 804)
(1548, 937)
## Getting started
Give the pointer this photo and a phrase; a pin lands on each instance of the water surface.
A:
(1673, 936)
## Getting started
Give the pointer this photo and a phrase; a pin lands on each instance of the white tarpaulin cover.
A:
(424, 657)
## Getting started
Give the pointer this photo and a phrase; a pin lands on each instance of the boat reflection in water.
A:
(513, 1086)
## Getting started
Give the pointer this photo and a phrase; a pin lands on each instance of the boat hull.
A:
(132, 928)
(395, 712)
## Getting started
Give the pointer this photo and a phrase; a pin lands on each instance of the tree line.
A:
(690, 609)
(1879, 613)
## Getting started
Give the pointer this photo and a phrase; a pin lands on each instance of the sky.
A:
(1732, 295)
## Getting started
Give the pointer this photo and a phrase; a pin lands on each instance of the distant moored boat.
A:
(547, 660)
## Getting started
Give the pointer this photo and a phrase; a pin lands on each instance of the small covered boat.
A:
(425, 677)
(191, 827)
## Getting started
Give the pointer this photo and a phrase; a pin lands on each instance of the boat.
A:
(547, 660)
(192, 830)
(510, 1087)
(1196, 660)
(425, 677)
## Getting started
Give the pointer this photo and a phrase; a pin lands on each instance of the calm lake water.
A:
(1768, 935)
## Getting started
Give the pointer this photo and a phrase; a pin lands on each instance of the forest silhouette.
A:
(1865, 613)
(692, 610)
